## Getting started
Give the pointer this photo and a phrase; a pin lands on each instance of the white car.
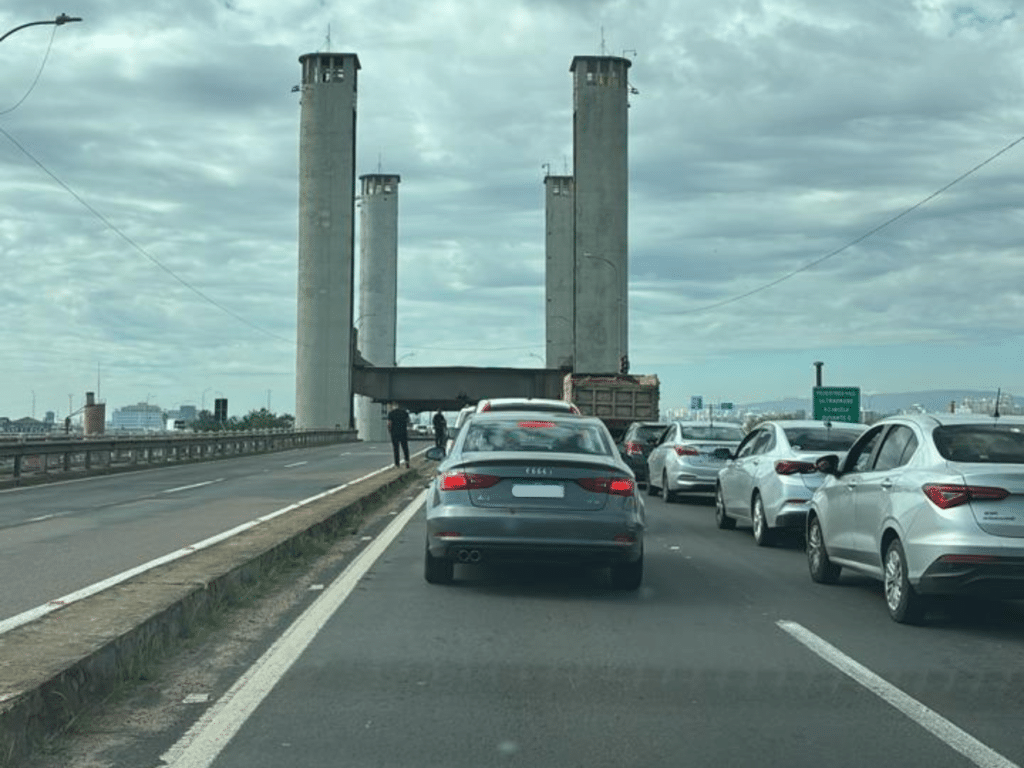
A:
(770, 478)
(684, 460)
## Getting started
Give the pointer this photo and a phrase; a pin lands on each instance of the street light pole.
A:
(62, 19)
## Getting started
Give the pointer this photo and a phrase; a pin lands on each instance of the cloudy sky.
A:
(149, 187)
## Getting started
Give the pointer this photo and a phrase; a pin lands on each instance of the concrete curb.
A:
(53, 669)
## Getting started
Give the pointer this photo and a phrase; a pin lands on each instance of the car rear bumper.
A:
(492, 551)
(1002, 578)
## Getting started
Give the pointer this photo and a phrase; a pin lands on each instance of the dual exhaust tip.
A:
(468, 555)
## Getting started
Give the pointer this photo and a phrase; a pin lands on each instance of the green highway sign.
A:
(696, 403)
(726, 406)
(837, 404)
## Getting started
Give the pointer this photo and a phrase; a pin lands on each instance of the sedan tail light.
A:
(787, 467)
(947, 496)
(634, 448)
(686, 450)
(615, 486)
(462, 481)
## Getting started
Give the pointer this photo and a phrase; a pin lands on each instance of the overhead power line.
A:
(139, 248)
(39, 74)
(856, 240)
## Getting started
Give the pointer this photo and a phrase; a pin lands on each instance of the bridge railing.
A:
(34, 458)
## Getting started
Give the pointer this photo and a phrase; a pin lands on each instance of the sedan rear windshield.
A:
(981, 443)
(544, 436)
(821, 439)
(649, 431)
(716, 432)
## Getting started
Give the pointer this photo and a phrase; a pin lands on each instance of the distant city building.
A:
(186, 413)
(24, 426)
(138, 418)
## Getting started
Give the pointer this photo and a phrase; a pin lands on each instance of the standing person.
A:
(398, 426)
(440, 428)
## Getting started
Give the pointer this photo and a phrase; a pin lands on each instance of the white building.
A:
(138, 418)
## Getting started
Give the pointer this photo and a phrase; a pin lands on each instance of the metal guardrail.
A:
(33, 459)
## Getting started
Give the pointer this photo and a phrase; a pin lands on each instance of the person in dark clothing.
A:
(398, 427)
(440, 428)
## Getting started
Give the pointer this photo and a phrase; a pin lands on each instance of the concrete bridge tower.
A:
(601, 174)
(560, 288)
(378, 289)
(327, 142)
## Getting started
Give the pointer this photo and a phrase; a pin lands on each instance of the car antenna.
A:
(995, 413)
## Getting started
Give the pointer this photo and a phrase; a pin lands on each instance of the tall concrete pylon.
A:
(377, 320)
(327, 144)
(560, 281)
(601, 173)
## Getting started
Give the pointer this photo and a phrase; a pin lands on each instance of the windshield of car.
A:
(711, 432)
(981, 443)
(647, 432)
(546, 436)
(821, 438)
(530, 405)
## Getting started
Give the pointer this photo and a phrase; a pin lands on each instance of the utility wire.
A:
(855, 241)
(138, 247)
(38, 75)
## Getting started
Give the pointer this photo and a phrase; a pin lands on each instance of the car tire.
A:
(652, 489)
(437, 570)
(666, 495)
(822, 569)
(722, 520)
(628, 576)
(904, 604)
(763, 535)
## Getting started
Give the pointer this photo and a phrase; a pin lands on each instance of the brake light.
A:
(485, 407)
(462, 481)
(686, 450)
(614, 486)
(448, 535)
(536, 424)
(947, 496)
(624, 538)
(787, 467)
(575, 409)
(634, 448)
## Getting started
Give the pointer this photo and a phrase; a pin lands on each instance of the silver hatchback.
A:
(927, 504)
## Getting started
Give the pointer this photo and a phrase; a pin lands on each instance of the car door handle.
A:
(886, 485)
(851, 485)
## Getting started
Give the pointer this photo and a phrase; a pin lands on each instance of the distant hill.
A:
(930, 400)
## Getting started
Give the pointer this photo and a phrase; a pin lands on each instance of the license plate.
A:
(533, 491)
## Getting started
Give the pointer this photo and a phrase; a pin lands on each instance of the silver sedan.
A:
(539, 486)
(769, 479)
(927, 504)
(684, 460)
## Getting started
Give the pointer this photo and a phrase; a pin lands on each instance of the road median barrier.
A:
(54, 668)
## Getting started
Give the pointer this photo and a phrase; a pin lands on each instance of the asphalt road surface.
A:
(727, 656)
(60, 538)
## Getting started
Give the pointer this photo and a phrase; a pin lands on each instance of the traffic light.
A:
(220, 409)
(624, 364)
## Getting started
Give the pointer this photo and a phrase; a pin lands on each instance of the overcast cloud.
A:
(765, 135)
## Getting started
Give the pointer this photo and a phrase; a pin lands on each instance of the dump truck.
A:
(617, 399)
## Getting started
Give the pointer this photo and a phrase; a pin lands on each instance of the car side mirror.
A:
(828, 465)
(722, 453)
(435, 453)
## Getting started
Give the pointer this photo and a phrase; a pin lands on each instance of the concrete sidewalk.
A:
(54, 668)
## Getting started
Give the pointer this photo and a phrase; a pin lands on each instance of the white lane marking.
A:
(194, 485)
(953, 736)
(208, 736)
(41, 610)
(299, 463)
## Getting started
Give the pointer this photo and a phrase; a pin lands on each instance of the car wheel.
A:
(652, 489)
(628, 576)
(763, 535)
(823, 570)
(904, 604)
(437, 570)
(667, 496)
(722, 520)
